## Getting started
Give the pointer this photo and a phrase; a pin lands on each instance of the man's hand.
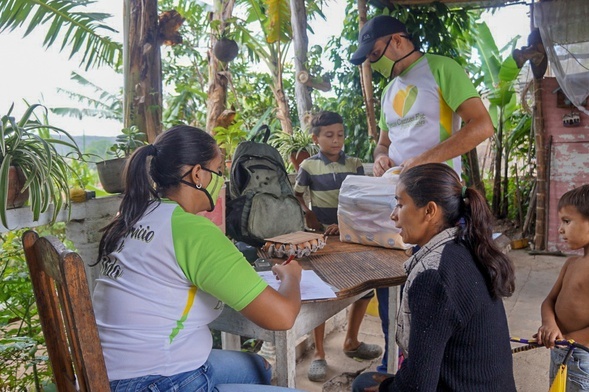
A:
(312, 221)
(382, 163)
(332, 229)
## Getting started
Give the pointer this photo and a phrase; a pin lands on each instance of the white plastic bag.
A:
(364, 211)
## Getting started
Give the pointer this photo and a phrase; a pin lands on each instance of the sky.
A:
(30, 72)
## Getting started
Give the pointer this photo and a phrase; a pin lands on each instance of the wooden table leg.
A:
(230, 341)
(393, 353)
(285, 358)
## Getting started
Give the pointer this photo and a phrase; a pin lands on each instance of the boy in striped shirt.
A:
(323, 175)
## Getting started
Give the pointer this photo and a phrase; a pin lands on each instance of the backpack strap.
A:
(263, 128)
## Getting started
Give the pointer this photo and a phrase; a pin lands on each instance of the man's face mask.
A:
(383, 65)
(212, 190)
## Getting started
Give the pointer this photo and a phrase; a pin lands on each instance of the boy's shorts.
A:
(577, 368)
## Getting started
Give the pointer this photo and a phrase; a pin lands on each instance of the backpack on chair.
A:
(262, 202)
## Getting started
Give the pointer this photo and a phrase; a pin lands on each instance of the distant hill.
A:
(97, 145)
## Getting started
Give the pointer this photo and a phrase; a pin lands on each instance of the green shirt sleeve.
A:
(211, 261)
(455, 85)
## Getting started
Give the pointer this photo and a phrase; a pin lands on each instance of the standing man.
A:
(421, 109)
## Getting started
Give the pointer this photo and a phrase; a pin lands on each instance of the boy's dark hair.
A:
(323, 119)
(578, 198)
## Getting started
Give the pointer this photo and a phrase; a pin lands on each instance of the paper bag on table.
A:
(364, 211)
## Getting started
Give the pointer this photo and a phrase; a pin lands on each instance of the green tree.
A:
(79, 29)
(499, 75)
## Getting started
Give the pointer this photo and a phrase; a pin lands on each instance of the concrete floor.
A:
(535, 276)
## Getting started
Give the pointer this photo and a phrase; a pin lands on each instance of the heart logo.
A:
(404, 100)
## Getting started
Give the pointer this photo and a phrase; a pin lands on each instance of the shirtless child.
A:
(565, 314)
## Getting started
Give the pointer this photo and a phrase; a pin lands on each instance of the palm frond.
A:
(78, 30)
(278, 25)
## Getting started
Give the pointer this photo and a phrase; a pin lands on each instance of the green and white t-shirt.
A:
(419, 106)
(157, 293)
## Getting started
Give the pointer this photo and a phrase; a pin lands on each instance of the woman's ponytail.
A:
(139, 194)
(466, 209)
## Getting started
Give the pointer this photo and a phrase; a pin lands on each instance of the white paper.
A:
(312, 287)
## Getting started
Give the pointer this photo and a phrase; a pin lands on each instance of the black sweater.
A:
(459, 338)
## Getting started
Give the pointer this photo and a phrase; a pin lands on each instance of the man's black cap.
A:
(379, 26)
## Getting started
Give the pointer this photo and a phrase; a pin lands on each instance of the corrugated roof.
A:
(474, 3)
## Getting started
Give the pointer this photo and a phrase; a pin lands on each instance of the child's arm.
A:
(549, 331)
(310, 218)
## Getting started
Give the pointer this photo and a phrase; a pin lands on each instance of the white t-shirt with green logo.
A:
(419, 106)
(157, 293)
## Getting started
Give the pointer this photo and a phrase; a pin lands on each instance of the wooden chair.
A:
(65, 311)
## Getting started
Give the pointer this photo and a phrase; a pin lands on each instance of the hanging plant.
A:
(226, 49)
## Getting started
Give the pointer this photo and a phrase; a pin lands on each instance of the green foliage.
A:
(78, 29)
(277, 24)
(28, 144)
(25, 366)
(288, 144)
(128, 141)
(100, 104)
(83, 176)
(230, 137)
(511, 126)
(185, 66)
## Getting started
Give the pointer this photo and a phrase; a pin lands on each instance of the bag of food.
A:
(364, 211)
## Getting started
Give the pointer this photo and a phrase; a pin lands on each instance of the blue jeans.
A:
(382, 295)
(577, 368)
(224, 371)
(366, 380)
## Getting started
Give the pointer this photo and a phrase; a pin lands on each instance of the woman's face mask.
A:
(212, 190)
(214, 187)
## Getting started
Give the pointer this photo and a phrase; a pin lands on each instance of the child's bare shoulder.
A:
(575, 263)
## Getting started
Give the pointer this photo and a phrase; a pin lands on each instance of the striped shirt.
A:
(324, 179)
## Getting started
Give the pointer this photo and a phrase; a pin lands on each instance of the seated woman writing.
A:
(166, 273)
(451, 326)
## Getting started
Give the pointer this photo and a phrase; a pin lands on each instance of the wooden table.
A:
(350, 268)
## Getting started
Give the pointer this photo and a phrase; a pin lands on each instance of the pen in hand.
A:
(290, 258)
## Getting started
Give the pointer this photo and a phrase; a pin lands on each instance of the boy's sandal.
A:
(365, 351)
(317, 370)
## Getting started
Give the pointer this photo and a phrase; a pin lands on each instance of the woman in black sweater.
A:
(451, 326)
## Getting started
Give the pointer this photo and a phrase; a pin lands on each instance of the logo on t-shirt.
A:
(404, 100)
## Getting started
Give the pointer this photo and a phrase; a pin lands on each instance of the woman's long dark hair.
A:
(172, 150)
(439, 183)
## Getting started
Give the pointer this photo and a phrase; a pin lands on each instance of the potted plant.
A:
(296, 147)
(228, 138)
(110, 171)
(29, 153)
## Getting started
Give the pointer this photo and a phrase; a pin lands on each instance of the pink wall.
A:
(568, 159)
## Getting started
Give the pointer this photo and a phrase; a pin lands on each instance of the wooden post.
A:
(142, 68)
(541, 161)
(218, 80)
(366, 81)
(298, 19)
